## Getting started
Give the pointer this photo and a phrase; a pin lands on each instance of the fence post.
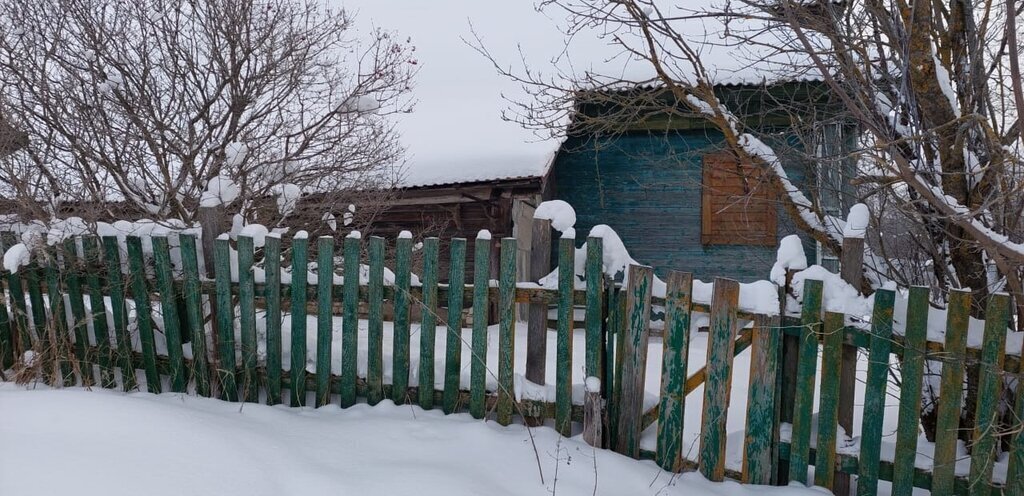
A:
(851, 268)
(211, 223)
(676, 349)
(786, 385)
(638, 311)
(537, 320)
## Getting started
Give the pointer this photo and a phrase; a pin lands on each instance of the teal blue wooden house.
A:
(666, 184)
(662, 179)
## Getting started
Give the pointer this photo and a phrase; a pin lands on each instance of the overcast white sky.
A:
(456, 131)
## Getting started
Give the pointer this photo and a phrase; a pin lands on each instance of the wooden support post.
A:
(537, 322)
(211, 222)
(592, 433)
(851, 269)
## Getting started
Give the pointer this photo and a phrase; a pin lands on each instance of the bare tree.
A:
(934, 89)
(144, 103)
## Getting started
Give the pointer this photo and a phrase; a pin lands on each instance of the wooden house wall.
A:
(647, 187)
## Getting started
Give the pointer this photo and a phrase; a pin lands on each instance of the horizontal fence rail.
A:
(137, 311)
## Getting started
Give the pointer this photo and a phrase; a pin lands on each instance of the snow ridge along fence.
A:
(147, 318)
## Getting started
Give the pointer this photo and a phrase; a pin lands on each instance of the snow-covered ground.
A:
(106, 443)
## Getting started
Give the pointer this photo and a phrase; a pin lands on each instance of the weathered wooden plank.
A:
(563, 358)
(98, 312)
(400, 353)
(57, 330)
(6, 331)
(593, 320)
(350, 321)
(39, 322)
(73, 273)
(1015, 466)
(247, 319)
(990, 386)
(912, 371)
(193, 311)
(272, 315)
(506, 330)
(947, 423)
(634, 353)
(874, 392)
(453, 336)
(169, 310)
(18, 310)
(225, 320)
(115, 285)
(617, 327)
(807, 362)
(721, 339)
(828, 406)
(428, 323)
(758, 453)
(676, 346)
(143, 312)
(375, 323)
(324, 327)
(478, 364)
(537, 321)
(592, 409)
(300, 277)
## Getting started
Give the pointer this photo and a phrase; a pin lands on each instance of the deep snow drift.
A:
(105, 443)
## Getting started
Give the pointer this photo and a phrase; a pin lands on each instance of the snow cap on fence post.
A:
(789, 257)
(857, 221)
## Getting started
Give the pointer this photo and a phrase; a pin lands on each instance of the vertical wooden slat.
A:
(634, 353)
(717, 384)
(35, 297)
(400, 353)
(506, 330)
(478, 364)
(115, 285)
(169, 310)
(73, 279)
(247, 319)
(300, 279)
(537, 322)
(272, 297)
(453, 337)
(324, 304)
(194, 312)
(676, 346)
(803, 408)
(143, 312)
(911, 376)
(990, 387)
(758, 449)
(1015, 466)
(428, 323)
(828, 408)
(563, 359)
(7, 339)
(947, 415)
(874, 393)
(18, 310)
(616, 344)
(375, 324)
(98, 312)
(595, 288)
(225, 320)
(350, 321)
(57, 330)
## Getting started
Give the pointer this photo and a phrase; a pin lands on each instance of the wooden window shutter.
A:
(737, 203)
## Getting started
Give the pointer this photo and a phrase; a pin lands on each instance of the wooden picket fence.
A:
(616, 328)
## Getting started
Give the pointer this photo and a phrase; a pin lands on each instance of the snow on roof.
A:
(456, 133)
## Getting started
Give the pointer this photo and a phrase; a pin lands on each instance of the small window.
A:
(737, 205)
